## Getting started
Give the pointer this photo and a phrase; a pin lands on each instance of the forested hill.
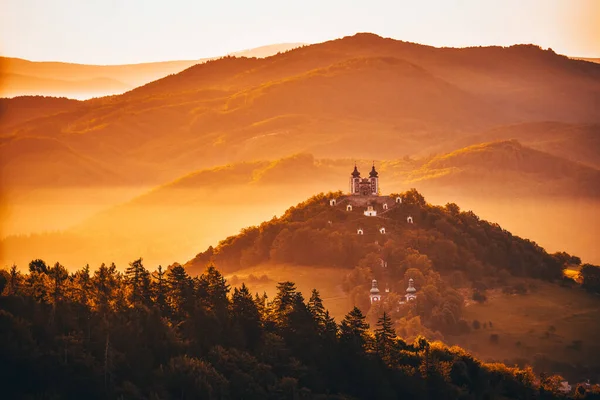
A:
(315, 233)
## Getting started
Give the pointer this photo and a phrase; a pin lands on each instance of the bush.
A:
(494, 338)
(479, 297)
(476, 324)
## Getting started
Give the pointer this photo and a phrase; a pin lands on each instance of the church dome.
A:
(374, 289)
(411, 287)
(355, 173)
(373, 173)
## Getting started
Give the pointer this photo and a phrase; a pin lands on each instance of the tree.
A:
(38, 266)
(14, 282)
(138, 278)
(83, 284)
(216, 287)
(591, 277)
(283, 301)
(179, 289)
(353, 330)
(104, 287)
(316, 309)
(385, 337)
(160, 288)
(58, 275)
(246, 316)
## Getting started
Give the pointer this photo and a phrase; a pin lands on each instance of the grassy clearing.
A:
(546, 321)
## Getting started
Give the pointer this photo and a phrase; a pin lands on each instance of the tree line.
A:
(169, 335)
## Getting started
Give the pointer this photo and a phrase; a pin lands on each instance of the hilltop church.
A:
(364, 186)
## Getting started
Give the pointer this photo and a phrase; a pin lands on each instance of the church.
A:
(364, 186)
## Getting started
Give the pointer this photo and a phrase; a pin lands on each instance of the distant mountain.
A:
(576, 142)
(23, 77)
(357, 97)
(594, 60)
(21, 109)
(510, 169)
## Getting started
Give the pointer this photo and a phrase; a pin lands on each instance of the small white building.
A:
(409, 219)
(564, 387)
(382, 230)
(359, 231)
(385, 206)
(349, 207)
(332, 202)
(375, 296)
(398, 200)
(370, 212)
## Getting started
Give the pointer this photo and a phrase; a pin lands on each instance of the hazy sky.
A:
(126, 31)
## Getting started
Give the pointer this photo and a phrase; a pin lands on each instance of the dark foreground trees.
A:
(168, 335)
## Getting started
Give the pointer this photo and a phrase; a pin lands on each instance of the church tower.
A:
(355, 181)
(375, 296)
(374, 180)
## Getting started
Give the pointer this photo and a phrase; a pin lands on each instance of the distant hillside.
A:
(576, 142)
(21, 109)
(23, 77)
(594, 60)
(508, 167)
(357, 97)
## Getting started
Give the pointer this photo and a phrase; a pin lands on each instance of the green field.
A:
(545, 322)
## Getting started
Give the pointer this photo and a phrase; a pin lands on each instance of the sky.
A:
(132, 31)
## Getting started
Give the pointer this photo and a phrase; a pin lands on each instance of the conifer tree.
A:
(14, 280)
(134, 276)
(385, 337)
(353, 330)
(58, 275)
(284, 300)
(246, 315)
(160, 288)
(316, 309)
(179, 289)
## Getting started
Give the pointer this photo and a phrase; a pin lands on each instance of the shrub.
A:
(479, 296)
(494, 338)
(476, 324)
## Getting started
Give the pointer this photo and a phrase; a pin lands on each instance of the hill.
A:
(325, 99)
(21, 109)
(456, 260)
(82, 81)
(500, 168)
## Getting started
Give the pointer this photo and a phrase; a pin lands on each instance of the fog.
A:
(86, 226)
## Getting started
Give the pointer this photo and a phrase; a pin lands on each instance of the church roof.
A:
(355, 173)
(373, 173)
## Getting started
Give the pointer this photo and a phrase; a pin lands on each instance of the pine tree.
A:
(316, 309)
(160, 288)
(385, 337)
(246, 315)
(179, 291)
(284, 300)
(134, 275)
(58, 275)
(216, 287)
(14, 281)
(83, 284)
(353, 330)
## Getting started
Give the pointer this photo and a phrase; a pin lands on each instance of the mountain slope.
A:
(324, 99)
(23, 77)
(508, 167)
